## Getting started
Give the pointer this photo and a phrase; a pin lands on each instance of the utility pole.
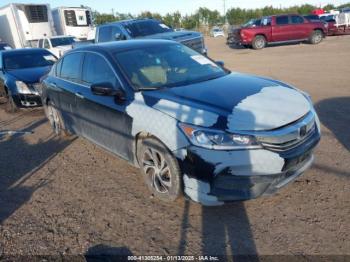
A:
(225, 18)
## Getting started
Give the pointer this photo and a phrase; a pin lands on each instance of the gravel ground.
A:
(70, 197)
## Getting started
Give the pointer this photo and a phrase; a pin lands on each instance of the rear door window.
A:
(282, 20)
(71, 67)
(97, 70)
(105, 34)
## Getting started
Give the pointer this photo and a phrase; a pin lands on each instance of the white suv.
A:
(58, 45)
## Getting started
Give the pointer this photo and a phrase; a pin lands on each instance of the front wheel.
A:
(259, 42)
(160, 170)
(11, 106)
(316, 37)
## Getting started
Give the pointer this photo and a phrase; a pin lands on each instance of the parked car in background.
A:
(217, 32)
(281, 29)
(233, 31)
(338, 24)
(148, 29)
(20, 73)
(5, 46)
(189, 124)
(22, 25)
(57, 45)
(73, 21)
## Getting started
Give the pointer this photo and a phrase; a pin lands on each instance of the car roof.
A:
(116, 46)
(129, 21)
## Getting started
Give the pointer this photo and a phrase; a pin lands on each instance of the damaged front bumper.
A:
(215, 177)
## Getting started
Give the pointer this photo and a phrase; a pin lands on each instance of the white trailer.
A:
(21, 25)
(343, 19)
(73, 21)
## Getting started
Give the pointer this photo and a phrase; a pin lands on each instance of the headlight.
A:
(218, 140)
(22, 88)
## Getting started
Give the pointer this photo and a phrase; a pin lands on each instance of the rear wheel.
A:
(160, 169)
(55, 120)
(316, 37)
(259, 42)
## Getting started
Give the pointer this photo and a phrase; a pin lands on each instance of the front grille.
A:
(234, 36)
(290, 144)
(290, 136)
(195, 43)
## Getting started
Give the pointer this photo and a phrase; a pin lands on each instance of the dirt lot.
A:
(71, 197)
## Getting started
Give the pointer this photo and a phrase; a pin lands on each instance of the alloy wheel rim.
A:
(318, 38)
(260, 43)
(157, 170)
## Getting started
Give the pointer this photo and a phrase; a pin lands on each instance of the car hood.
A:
(29, 75)
(64, 47)
(175, 36)
(236, 102)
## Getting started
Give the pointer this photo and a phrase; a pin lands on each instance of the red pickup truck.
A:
(279, 29)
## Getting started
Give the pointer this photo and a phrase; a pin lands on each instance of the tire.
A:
(160, 169)
(316, 37)
(259, 42)
(11, 106)
(55, 119)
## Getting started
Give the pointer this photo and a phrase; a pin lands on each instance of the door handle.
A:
(53, 85)
(79, 95)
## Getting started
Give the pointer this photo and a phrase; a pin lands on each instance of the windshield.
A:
(18, 60)
(62, 41)
(146, 27)
(328, 18)
(166, 66)
(252, 22)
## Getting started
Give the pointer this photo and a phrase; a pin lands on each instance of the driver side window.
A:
(96, 70)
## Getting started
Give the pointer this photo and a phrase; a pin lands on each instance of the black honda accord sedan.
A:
(192, 126)
(20, 73)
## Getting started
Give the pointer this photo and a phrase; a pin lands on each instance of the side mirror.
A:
(118, 36)
(107, 89)
(220, 63)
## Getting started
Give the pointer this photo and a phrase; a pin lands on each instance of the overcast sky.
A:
(165, 6)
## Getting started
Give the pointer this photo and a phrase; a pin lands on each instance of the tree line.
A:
(206, 17)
